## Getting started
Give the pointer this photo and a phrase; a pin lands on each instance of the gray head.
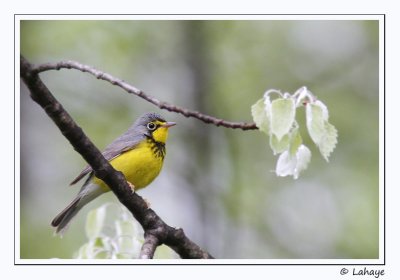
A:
(147, 118)
(148, 123)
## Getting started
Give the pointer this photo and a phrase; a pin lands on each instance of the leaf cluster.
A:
(277, 118)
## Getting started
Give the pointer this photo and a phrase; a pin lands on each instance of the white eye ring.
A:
(151, 126)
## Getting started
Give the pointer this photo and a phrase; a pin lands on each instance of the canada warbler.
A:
(138, 153)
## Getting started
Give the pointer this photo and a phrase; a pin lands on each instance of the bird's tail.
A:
(86, 194)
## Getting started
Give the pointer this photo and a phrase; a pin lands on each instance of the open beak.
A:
(168, 124)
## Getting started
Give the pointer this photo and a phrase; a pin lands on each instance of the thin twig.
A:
(150, 244)
(131, 89)
(150, 221)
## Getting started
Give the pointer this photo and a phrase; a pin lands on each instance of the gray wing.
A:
(125, 142)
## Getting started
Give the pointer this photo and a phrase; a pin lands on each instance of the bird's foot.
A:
(132, 186)
(147, 203)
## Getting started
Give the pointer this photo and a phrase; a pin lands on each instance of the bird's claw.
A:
(147, 203)
(131, 186)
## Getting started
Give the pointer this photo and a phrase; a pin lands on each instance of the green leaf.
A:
(122, 239)
(285, 165)
(102, 254)
(295, 141)
(303, 156)
(315, 122)
(127, 238)
(83, 252)
(329, 141)
(325, 113)
(95, 221)
(95, 248)
(279, 146)
(164, 252)
(283, 113)
(125, 256)
(99, 242)
(125, 227)
(321, 131)
(260, 116)
(129, 245)
(288, 165)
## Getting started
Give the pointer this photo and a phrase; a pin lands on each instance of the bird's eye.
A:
(151, 126)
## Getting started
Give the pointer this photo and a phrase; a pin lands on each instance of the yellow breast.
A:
(140, 165)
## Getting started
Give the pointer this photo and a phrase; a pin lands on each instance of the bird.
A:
(138, 153)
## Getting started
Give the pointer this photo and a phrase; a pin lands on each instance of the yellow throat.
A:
(142, 164)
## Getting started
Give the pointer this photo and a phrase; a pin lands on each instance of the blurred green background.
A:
(217, 183)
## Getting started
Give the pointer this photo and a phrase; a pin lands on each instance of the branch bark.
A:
(131, 89)
(149, 246)
(156, 230)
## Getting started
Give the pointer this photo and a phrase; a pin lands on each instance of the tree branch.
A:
(149, 246)
(131, 89)
(152, 224)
